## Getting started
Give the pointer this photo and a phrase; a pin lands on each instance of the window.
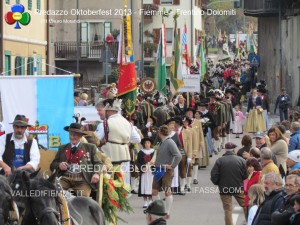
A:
(29, 4)
(7, 62)
(7, 1)
(93, 32)
(166, 2)
(169, 35)
(17, 1)
(19, 65)
(30, 66)
(38, 5)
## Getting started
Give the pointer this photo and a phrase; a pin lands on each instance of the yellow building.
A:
(21, 46)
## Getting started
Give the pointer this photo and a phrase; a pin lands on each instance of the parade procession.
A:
(149, 112)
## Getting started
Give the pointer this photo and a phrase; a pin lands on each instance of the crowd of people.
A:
(164, 143)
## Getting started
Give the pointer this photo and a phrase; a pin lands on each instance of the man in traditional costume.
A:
(78, 163)
(186, 141)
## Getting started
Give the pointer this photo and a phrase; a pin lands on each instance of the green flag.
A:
(176, 70)
(162, 69)
(202, 61)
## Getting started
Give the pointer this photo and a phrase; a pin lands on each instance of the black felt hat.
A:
(21, 121)
(76, 128)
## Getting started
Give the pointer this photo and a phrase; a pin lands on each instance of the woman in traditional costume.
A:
(255, 119)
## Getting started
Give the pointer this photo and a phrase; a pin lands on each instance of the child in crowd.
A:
(144, 158)
(238, 121)
(256, 198)
(295, 218)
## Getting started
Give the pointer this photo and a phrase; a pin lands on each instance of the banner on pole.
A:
(47, 101)
(191, 83)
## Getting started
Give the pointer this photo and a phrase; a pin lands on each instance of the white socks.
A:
(195, 172)
(182, 184)
(134, 182)
(189, 181)
(227, 138)
(169, 202)
(223, 141)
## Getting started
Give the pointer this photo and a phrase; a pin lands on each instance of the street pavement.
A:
(202, 206)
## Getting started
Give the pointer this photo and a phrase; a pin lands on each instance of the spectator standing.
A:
(279, 147)
(295, 137)
(256, 198)
(295, 218)
(247, 143)
(83, 100)
(274, 198)
(283, 102)
(293, 160)
(292, 188)
(254, 171)
(267, 163)
(76, 98)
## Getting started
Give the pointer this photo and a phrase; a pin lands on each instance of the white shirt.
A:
(134, 138)
(19, 143)
(251, 214)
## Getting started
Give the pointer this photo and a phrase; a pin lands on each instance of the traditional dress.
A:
(255, 121)
(238, 122)
(200, 150)
(146, 178)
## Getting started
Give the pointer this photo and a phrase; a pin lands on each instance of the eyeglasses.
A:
(291, 185)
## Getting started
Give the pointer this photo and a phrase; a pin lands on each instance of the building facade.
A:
(190, 14)
(89, 22)
(278, 44)
(20, 47)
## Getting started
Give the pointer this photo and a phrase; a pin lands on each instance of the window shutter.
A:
(39, 64)
(29, 4)
(176, 2)
(156, 2)
(18, 63)
(157, 34)
(30, 66)
(38, 5)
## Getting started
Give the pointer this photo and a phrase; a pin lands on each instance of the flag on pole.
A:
(127, 86)
(40, 102)
(200, 58)
(184, 52)
(161, 59)
(176, 81)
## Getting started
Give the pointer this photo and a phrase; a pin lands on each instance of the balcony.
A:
(261, 8)
(150, 10)
(87, 50)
